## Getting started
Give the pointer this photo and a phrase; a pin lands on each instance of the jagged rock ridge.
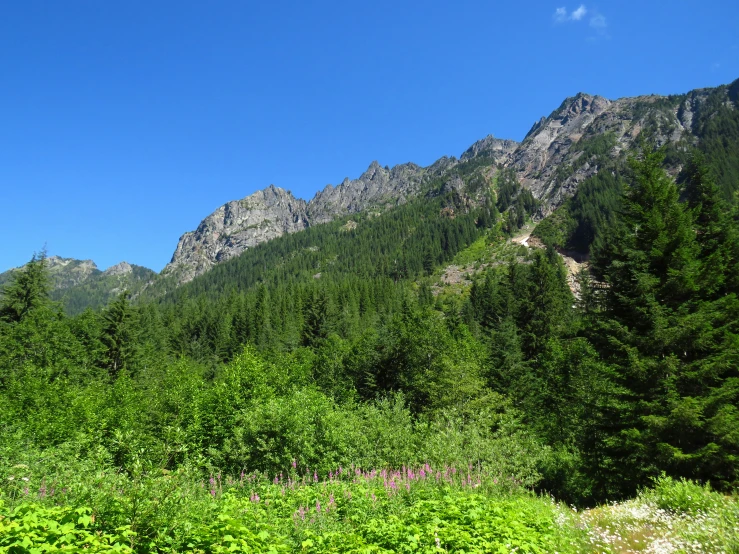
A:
(272, 212)
(554, 142)
(551, 162)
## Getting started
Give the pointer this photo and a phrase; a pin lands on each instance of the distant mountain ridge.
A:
(79, 284)
(558, 154)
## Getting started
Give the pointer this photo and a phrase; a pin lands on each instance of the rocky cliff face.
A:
(552, 160)
(500, 150)
(376, 187)
(234, 227)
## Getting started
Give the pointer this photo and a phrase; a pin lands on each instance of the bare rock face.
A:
(377, 187)
(122, 268)
(552, 160)
(234, 227)
(499, 150)
(551, 138)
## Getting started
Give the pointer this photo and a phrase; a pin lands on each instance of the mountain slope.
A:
(560, 152)
(272, 212)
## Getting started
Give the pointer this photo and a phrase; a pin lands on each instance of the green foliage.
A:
(172, 423)
(118, 335)
(33, 528)
(658, 327)
(597, 145)
(27, 290)
(717, 126)
(420, 508)
(683, 496)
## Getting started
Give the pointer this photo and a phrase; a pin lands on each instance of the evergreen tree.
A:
(118, 335)
(318, 318)
(674, 354)
(28, 290)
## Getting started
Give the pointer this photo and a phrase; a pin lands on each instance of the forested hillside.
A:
(320, 393)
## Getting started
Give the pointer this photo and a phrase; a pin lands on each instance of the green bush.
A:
(683, 496)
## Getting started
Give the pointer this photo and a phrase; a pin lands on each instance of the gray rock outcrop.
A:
(234, 227)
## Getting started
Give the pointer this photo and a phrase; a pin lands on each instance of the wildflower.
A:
(318, 507)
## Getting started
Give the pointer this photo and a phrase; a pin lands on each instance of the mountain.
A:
(79, 284)
(558, 154)
(564, 162)
(234, 227)
(272, 212)
(560, 151)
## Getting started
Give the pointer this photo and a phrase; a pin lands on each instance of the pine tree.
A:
(28, 290)
(674, 354)
(119, 335)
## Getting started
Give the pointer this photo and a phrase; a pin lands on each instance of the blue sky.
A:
(124, 123)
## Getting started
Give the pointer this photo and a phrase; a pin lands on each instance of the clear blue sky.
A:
(124, 123)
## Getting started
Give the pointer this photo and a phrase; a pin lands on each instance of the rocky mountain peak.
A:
(53, 262)
(377, 186)
(122, 268)
(372, 172)
(498, 149)
(236, 226)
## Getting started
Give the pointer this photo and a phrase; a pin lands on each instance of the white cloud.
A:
(560, 15)
(598, 21)
(579, 13)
